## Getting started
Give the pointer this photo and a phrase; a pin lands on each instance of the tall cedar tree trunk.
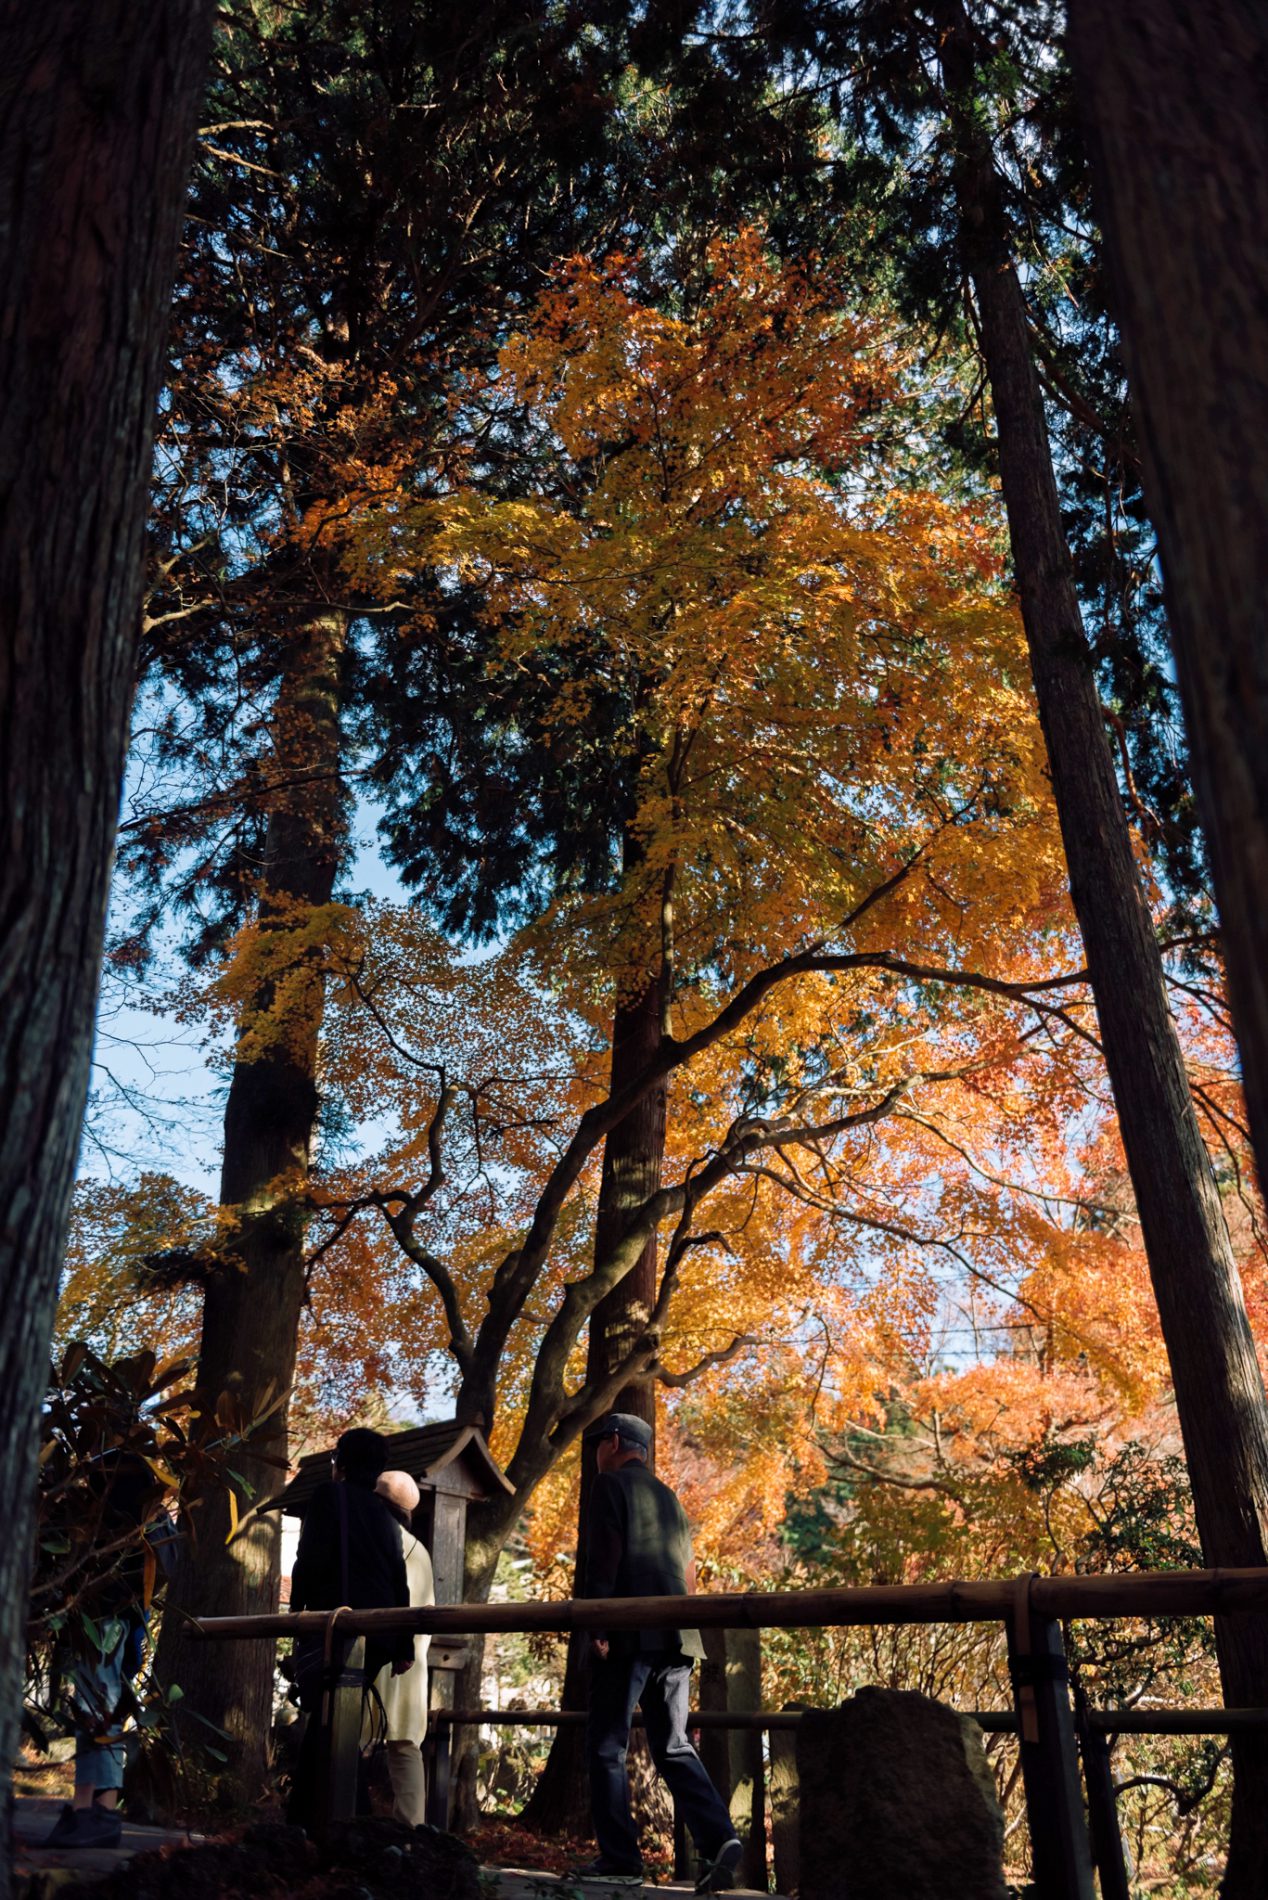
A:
(1175, 98)
(254, 1297)
(632, 1157)
(1215, 1374)
(98, 103)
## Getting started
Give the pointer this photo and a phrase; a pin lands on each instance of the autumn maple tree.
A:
(812, 701)
(679, 564)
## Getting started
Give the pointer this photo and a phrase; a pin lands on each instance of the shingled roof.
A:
(425, 1451)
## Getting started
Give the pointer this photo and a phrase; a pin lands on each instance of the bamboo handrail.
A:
(1139, 1593)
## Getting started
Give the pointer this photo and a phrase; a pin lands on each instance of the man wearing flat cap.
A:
(639, 1546)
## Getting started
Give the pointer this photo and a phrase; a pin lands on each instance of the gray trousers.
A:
(660, 1687)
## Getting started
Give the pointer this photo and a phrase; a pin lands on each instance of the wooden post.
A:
(445, 1660)
(730, 1683)
(438, 1779)
(744, 1749)
(1049, 1756)
(1102, 1810)
(341, 1733)
(711, 1694)
(684, 1859)
(785, 1804)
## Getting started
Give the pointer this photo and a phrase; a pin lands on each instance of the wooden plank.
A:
(448, 1545)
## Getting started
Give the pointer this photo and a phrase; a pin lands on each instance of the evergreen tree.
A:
(1175, 108)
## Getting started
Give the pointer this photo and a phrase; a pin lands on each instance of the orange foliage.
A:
(838, 762)
(890, 1173)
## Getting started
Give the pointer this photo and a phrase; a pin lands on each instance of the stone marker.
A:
(897, 1803)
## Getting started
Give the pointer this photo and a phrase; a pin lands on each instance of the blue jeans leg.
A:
(665, 1705)
(615, 1686)
(99, 1753)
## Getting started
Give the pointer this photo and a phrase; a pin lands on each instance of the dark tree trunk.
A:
(1215, 1374)
(254, 1298)
(632, 1156)
(1175, 96)
(98, 103)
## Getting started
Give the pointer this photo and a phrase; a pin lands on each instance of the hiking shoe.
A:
(718, 1874)
(86, 1827)
(611, 1872)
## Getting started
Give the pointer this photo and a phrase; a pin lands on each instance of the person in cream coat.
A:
(404, 1697)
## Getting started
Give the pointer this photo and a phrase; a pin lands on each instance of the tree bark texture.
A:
(1175, 101)
(632, 1157)
(1215, 1373)
(254, 1296)
(98, 104)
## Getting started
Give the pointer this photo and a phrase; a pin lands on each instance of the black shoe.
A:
(612, 1872)
(718, 1874)
(61, 1827)
(86, 1827)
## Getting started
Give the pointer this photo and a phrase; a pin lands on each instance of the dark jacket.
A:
(365, 1570)
(639, 1545)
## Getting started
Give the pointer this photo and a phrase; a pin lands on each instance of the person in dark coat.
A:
(350, 1552)
(350, 1548)
(639, 1545)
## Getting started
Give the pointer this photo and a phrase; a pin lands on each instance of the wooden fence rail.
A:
(1142, 1593)
(1031, 1609)
(990, 1721)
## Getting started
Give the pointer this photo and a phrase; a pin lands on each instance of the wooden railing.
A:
(1031, 1609)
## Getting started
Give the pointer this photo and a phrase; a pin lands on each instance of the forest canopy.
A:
(659, 863)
